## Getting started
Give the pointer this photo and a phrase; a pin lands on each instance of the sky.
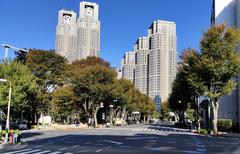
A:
(32, 23)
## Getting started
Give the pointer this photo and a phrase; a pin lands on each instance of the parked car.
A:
(22, 125)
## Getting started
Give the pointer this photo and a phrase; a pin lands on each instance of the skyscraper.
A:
(162, 58)
(88, 31)
(78, 38)
(66, 35)
(141, 70)
(128, 65)
(154, 61)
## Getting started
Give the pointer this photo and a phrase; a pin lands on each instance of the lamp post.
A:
(8, 111)
(111, 108)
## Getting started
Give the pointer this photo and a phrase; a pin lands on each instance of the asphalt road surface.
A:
(131, 139)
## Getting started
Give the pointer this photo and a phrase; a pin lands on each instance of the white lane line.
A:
(75, 146)
(56, 152)
(46, 151)
(68, 153)
(104, 149)
(192, 152)
(17, 151)
(201, 150)
(201, 146)
(62, 149)
(114, 142)
(32, 151)
(88, 143)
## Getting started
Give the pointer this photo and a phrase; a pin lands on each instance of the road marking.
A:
(32, 151)
(88, 143)
(46, 151)
(68, 153)
(159, 148)
(104, 149)
(203, 149)
(192, 152)
(201, 146)
(17, 151)
(75, 146)
(62, 149)
(114, 142)
(56, 152)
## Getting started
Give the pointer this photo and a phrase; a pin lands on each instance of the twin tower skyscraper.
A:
(78, 38)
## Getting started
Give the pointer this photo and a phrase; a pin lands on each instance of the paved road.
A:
(132, 139)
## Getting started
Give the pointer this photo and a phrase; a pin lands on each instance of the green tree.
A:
(181, 95)
(94, 84)
(49, 69)
(64, 104)
(23, 86)
(164, 113)
(217, 65)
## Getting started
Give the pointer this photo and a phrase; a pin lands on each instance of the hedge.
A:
(225, 125)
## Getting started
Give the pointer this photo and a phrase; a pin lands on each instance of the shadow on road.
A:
(138, 143)
(31, 134)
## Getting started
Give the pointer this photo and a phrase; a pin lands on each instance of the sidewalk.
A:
(231, 135)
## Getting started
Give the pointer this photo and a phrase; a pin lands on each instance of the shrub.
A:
(225, 125)
(3, 132)
(203, 131)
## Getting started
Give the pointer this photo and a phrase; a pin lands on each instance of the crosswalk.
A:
(157, 130)
(35, 151)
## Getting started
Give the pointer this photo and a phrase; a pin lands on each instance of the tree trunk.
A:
(144, 119)
(215, 105)
(95, 115)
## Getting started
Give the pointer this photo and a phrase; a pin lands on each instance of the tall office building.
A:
(66, 35)
(228, 12)
(78, 38)
(88, 31)
(128, 66)
(141, 70)
(155, 61)
(162, 59)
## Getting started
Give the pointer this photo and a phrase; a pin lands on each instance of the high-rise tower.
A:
(141, 48)
(162, 59)
(153, 65)
(78, 38)
(88, 30)
(128, 65)
(66, 35)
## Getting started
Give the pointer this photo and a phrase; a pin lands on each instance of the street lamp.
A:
(8, 111)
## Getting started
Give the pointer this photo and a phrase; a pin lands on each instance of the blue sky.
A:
(32, 23)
